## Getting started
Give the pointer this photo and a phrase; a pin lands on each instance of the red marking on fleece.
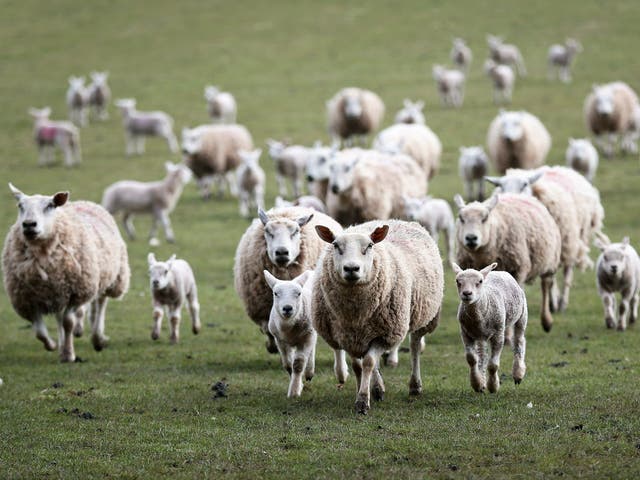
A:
(47, 133)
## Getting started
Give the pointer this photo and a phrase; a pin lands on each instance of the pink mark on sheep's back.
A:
(561, 179)
(47, 133)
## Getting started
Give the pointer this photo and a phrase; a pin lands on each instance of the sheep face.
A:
(287, 295)
(612, 260)
(471, 155)
(341, 175)
(469, 282)
(125, 104)
(473, 229)
(181, 170)
(191, 141)
(604, 103)
(76, 83)
(493, 41)
(352, 107)
(515, 183)
(275, 148)
(160, 274)
(411, 113)
(40, 114)
(37, 213)
(251, 159)
(211, 92)
(573, 45)
(283, 238)
(318, 163)
(578, 148)
(412, 207)
(99, 78)
(353, 253)
(511, 127)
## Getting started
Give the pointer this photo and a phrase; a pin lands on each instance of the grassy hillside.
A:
(144, 409)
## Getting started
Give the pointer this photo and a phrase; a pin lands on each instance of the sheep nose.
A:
(309, 178)
(185, 151)
(467, 293)
(282, 252)
(471, 238)
(334, 189)
(287, 310)
(614, 268)
(29, 225)
(351, 268)
(155, 283)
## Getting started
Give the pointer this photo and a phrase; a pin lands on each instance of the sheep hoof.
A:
(610, 322)
(271, 346)
(377, 393)
(309, 377)
(547, 324)
(195, 329)
(289, 370)
(362, 407)
(155, 335)
(50, 346)
(517, 381)
(99, 342)
(415, 389)
(67, 357)
(173, 340)
(154, 242)
(390, 363)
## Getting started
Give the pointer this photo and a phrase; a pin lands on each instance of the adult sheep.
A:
(353, 112)
(517, 232)
(517, 140)
(57, 258)
(376, 283)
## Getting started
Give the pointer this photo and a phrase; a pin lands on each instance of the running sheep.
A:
(251, 182)
(450, 85)
(172, 285)
(99, 94)
(411, 112)
(354, 112)
(560, 58)
(138, 125)
(78, 101)
(461, 55)
(376, 283)
(291, 163)
(473, 165)
(492, 313)
(221, 106)
(582, 156)
(503, 80)
(506, 54)
(49, 134)
(58, 258)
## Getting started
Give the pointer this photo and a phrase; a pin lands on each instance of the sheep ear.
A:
(419, 105)
(457, 199)
(271, 280)
(171, 258)
(406, 102)
(303, 277)
(379, 234)
(456, 268)
(16, 193)
(325, 233)
(151, 259)
(462, 149)
(625, 241)
(302, 221)
(60, 198)
(263, 216)
(492, 202)
(497, 181)
(256, 154)
(317, 144)
(485, 271)
(599, 244)
(535, 177)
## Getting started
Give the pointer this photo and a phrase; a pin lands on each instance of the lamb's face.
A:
(515, 184)
(287, 298)
(613, 260)
(191, 141)
(573, 45)
(341, 174)
(40, 115)
(471, 155)
(210, 93)
(125, 104)
(493, 41)
(37, 213)
(275, 148)
(469, 283)
(412, 112)
(511, 127)
(604, 103)
(578, 148)
(76, 83)
(318, 163)
(472, 226)
(352, 106)
(160, 275)
(283, 239)
(99, 78)
(412, 207)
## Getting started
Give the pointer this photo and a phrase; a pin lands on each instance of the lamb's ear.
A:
(379, 234)
(419, 105)
(151, 259)
(60, 198)
(16, 193)
(303, 277)
(456, 268)
(171, 258)
(457, 199)
(406, 102)
(535, 177)
(492, 202)
(271, 280)
(462, 149)
(485, 271)
(625, 242)
(497, 181)
(263, 216)
(325, 233)
(599, 244)
(302, 221)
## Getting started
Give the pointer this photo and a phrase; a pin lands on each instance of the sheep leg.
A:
(377, 384)
(496, 343)
(609, 302)
(415, 383)
(98, 338)
(66, 322)
(219, 180)
(140, 144)
(298, 366)
(282, 187)
(297, 186)
(259, 197)
(285, 355)
(127, 223)
(369, 364)
(153, 240)
(545, 313)
(508, 335)
(232, 182)
(471, 351)
(340, 368)
(270, 343)
(481, 190)
(42, 334)
(519, 348)
(391, 359)
(166, 225)
(130, 143)
(244, 203)
(42, 156)
(553, 297)
(172, 142)
(68, 154)
(174, 319)
(158, 312)
(310, 352)
(629, 143)
(468, 190)
(566, 288)
(194, 311)
(356, 365)
(627, 296)
(450, 237)
(78, 329)
(634, 307)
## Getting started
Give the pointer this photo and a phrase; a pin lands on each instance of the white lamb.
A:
(251, 182)
(49, 134)
(436, 216)
(139, 125)
(506, 54)
(503, 81)
(291, 327)
(155, 198)
(618, 270)
(411, 112)
(172, 285)
(353, 112)
(582, 156)
(560, 59)
(450, 85)
(461, 54)
(291, 163)
(221, 105)
(78, 101)
(318, 168)
(100, 94)
(492, 313)
(473, 165)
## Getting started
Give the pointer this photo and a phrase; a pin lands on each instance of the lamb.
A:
(211, 152)
(611, 110)
(461, 55)
(506, 54)
(368, 185)
(49, 134)
(353, 112)
(370, 293)
(221, 105)
(473, 165)
(493, 311)
(318, 168)
(560, 59)
(618, 270)
(156, 198)
(251, 182)
(450, 85)
(138, 125)
(281, 241)
(411, 112)
(582, 156)
(516, 231)
(517, 139)
(435, 215)
(417, 141)
(290, 325)
(306, 201)
(172, 285)
(503, 81)
(99, 94)
(290, 162)
(77, 101)
(58, 257)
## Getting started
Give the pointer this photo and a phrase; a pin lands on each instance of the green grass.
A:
(154, 413)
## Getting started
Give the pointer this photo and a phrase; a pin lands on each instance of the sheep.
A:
(461, 55)
(353, 112)
(50, 133)
(156, 198)
(582, 156)
(221, 105)
(450, 85)
(560, 59)
(58, 257)
(290, 162)
(503, 81)
(368, 185)
(251, 181)
(518, 232)
(506, 54)
(493, 311)
(99, 94)
(306, 201)
(138, 125)
(77, 101)
(290, 325)
(618, 270)
(611, 110)
(370, 293)
(473, 165)
(417, 141)
(211, 152)
(318, 170)
(172, 285)
(435, 215)
(411, 112)
(517, 139)
(281, 241)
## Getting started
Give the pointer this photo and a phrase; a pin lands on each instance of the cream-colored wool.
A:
(341, 126)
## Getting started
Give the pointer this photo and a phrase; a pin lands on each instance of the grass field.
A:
(144, 409)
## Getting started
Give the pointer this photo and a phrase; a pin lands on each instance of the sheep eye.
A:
(20, 207)
(49, 207)
(298, 294)
(275, 294)
(480, 282)
(484, 219)
(322, 160)
(337, 247)
(461, 219)
(458, 283)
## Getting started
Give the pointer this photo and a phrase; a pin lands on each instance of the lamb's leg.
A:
(172, 142)
(244, 203)
(130, 143)
(634, 308)
(340, 368)
(67, 320)
(519, 348)
(566, 288)
(356, 365)
(232, 182)
(553, 297)
(68, 154)
(297, 187)
(158, 312)
(270, 343)
(298, 367)
(194, 310)
(609, 303)
(174, 318)
(468, 190)
(496, 343)
(310, 369)
(545, 313)
(476, 378)
(153, 240)
(285, 355)
(127, 223)
(166, 225)
(259, 196)
(98, 338)
(450, 237)
(140, 144)
(78, 329)
(415, 383)
(508, 335)
(369, 364)
(391, 359)
(481, 187)
(42, 334)
(42, 156)
(282, 187)
(377, 384)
